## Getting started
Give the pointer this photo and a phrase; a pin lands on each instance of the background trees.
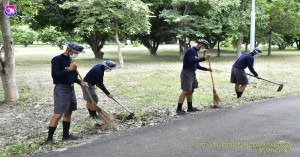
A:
(128, 17)
(7, 58)
(22, 34)
(186, 20)
(52, 35)
(283, 22)
(150, 21)
(160, 29)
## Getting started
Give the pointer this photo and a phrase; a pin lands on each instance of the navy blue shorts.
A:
(188, 80)
(64, 99)
(238, 76)
(92, 91)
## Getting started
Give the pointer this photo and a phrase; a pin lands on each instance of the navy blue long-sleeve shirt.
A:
(244, 61)
(191, 60)
(59, 72)
(95, 77)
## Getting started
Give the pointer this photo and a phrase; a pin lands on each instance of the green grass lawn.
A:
(146, 84)
(154, 82)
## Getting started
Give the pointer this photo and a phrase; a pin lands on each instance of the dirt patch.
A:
(19, 124)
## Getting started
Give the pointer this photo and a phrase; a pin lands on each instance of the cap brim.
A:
(109, 67)
(75, 51)
(207, 47)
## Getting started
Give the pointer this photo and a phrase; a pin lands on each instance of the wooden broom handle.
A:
(212, 79)
(86, 89)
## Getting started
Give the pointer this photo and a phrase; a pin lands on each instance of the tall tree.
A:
(218, 20)
(112, 17)
(242, 24)
(7, 63)
(7, 57)
(186, 16)
(159, 28)
(283, 19)
(65, 20)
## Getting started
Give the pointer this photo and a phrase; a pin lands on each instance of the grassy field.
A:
(147, 83)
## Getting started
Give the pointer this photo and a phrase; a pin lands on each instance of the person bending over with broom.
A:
(64, 76)
(188, 75)
(238, 75)
(95, 77)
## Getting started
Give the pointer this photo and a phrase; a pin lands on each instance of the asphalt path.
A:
(265, 128)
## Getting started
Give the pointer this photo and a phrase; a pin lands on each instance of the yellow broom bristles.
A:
(216, 101)
(105, 117)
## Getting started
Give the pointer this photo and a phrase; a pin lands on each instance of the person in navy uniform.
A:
(188, 75)
(238, 75)
(95, 77)
(64, 75)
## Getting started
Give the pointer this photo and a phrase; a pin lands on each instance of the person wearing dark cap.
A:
(64, 75)
(238, 75)
(95, 77)
(188, 74)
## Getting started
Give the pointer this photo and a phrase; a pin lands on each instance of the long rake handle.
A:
(265, 79)
(212, 79)
(122, 105)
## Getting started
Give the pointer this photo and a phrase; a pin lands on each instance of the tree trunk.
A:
(119, 49)
(269, 43)
(60, 45)
(182, 46)
(219, 48)
(298, 44)
(282, 46)
(151, 45)
(96, 42)
(7, 63)
(239, 46)
(153, 50)
(246, 47)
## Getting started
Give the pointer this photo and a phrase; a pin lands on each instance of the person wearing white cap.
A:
(238, 74)
(95, 77)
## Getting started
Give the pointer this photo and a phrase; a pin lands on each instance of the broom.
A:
(216, 99)
(101, 113)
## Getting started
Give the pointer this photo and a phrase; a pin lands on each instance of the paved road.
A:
(266, 128)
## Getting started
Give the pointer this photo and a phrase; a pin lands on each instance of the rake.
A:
(280, 85)
(131, 114)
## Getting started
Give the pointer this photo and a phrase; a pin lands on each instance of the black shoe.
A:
(70, 137)
(194, 109)
(47, 143)
(94, 116)
(180, 112)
